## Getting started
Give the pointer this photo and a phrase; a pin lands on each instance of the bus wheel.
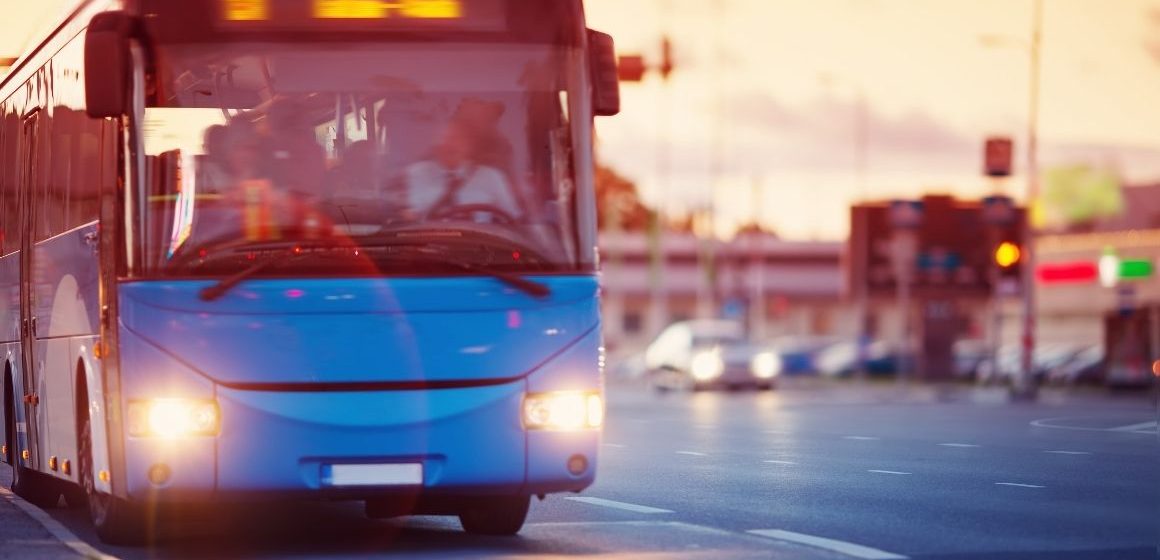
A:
(37, 489)
(117, 522)
(495, 516)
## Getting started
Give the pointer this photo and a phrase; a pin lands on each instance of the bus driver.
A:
(452, 177)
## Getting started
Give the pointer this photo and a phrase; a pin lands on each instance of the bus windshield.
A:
(252, 144)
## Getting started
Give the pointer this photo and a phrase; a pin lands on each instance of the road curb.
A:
(54, 528)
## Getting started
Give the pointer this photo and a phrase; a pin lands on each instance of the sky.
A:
(761, 117)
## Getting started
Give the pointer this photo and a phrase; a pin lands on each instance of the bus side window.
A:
(52, 175)
(9, 216)
(5, 186)
(83, 162)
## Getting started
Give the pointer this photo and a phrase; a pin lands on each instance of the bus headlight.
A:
(173, 418)
(707, 366)
(564, 410)
(765, 365)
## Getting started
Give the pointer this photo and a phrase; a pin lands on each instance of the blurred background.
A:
(766, 148)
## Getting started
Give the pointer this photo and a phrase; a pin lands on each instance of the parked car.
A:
(704, 354)
(1009, 362)
(969, 354)
(799, 353)
(841, 360)
(628, 367)
(1087, 367)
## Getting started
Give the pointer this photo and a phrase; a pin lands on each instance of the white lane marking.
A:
(693, 453)
(617, 505)
(689, 527)
(1019, 485)
(860, 438)
(54, 528)
(614, 445)
(1146, 427)
(841, 547)
(1051, 423)
(1063, 452)
(886, 472)
(959, 445)
(780, 462)
(776, 432)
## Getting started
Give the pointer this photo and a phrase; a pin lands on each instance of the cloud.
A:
(826, 133)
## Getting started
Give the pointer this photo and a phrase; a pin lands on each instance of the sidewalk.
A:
(816, 389)
(27, 532)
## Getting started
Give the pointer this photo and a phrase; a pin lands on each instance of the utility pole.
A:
(1024, 385)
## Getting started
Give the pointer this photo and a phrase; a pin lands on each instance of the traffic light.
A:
(631, 68)
(997, 156)
(1007, 254)
(1007, 228)
(666, 67)
(1007, 259)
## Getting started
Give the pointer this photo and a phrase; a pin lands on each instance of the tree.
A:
(618, 203)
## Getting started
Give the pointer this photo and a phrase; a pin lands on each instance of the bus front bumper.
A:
(355, 445)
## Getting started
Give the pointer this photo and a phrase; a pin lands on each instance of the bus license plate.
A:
(393, 474)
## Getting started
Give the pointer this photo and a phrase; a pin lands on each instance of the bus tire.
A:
(116, 521)
(500, 516)
(37, 489)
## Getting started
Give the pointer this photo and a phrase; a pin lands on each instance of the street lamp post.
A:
(1024, 386)
(861, 154)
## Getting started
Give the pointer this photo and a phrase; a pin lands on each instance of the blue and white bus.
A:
(340, 249)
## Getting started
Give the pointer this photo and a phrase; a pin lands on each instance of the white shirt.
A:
(428, 180)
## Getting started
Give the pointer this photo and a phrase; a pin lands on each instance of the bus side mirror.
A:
(605, 82)
(107, 64)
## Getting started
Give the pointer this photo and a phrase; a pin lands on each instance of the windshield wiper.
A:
(515, 280)
(224, 285)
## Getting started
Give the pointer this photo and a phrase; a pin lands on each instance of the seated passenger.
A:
(213, 176)
(354, 176)
(297, 162)
(450, 178)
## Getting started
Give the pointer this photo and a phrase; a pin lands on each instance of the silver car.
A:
(705, 354)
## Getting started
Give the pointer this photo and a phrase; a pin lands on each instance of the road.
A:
(808, 471)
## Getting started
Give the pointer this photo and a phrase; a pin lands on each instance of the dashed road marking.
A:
(1019, 485)
(860, 438)
(617, 505)
(1064, 452)
(1146, 427)
(775, 462)
(614, 445)
(959, 445)
(886, 472)
(693, 453)
(833, 545)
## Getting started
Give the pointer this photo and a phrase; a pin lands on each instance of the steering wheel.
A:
(466, 211)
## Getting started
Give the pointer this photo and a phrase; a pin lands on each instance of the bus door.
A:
(28, 206)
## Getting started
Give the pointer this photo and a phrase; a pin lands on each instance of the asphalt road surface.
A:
(808, 471)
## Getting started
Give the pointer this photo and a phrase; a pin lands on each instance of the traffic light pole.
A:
(1023, 386)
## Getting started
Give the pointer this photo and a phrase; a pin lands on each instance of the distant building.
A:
(778, 287)
(1076, 312)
